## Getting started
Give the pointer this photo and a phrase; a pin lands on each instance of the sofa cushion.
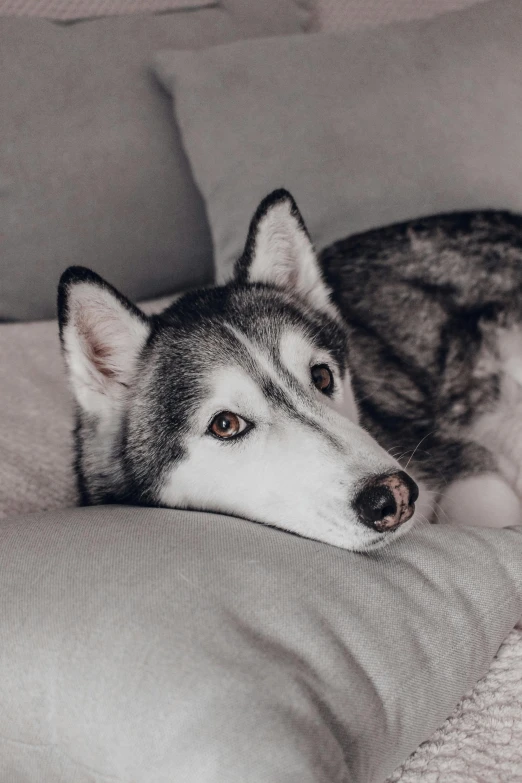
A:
(337, 15)
(91, 167)
(74, 10)
(153, 645)
(365, 128)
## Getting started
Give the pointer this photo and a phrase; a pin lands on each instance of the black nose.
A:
(386, 501)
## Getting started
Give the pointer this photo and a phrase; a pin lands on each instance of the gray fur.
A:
(423, 301)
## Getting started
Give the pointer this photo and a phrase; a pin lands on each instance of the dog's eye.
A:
(322, 378)
(227, 425)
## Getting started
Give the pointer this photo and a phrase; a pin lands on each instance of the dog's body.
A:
(239, 399)
(434, 311)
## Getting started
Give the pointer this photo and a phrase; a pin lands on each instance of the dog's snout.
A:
(387, 501)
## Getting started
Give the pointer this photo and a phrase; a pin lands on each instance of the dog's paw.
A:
(485, 500)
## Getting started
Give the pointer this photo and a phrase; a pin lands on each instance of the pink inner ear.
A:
(100, 357)
(98, 352)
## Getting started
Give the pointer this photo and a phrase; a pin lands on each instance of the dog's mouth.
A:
(381, 540)
(386, 535)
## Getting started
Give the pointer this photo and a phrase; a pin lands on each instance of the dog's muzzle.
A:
(385, 502)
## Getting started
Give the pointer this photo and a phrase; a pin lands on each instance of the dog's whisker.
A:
(417, 446)
(440, 510)
(423, 520)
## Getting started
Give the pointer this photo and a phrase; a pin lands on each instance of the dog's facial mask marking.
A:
(231, 400)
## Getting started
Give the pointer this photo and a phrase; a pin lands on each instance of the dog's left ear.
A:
(278, 251)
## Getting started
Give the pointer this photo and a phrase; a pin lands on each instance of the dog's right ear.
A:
(102, 335)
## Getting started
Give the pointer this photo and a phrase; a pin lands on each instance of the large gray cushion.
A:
(365, 128)
(91, 167)
(157, 646)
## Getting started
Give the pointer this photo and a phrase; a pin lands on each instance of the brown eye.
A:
(227, 425)
(322, 378)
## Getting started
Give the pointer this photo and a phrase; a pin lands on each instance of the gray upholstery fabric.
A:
(74, 10)
(91, 167)
(150, 645)
(365, 128)
(336, 15)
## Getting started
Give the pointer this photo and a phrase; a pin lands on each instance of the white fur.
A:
(494, 499)
(500, 430)
(252, 477)
(482, 501)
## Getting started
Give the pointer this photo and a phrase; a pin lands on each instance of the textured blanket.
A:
(481, 742)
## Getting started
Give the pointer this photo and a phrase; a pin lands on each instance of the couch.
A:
(60, 214)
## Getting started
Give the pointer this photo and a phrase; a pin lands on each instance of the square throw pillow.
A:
(364, 129)
(153, 646)
(91, 168)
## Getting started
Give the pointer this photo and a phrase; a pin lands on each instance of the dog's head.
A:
(236, 399)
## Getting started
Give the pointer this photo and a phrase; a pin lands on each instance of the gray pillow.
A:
(365, 128)
(156, 646)
(91, 168)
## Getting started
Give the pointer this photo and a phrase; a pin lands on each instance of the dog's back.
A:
(434, 309)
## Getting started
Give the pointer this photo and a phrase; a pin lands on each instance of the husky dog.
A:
(298, 394)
